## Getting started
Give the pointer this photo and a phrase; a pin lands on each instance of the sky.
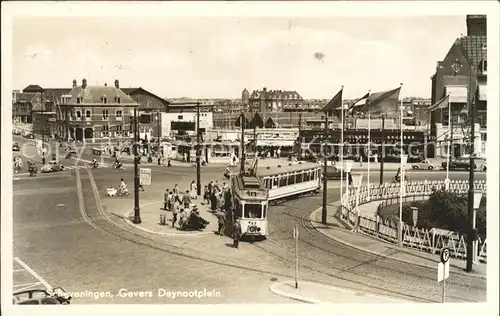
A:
(210, 57)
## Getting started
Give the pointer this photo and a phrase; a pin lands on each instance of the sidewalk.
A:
(318, 293)
(341, 232)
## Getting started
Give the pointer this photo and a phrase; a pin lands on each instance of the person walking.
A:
(193, 189)
(174, 208)
(166, 198)
(206, 195)
(221, 217)
(236, 232)
(186, 201)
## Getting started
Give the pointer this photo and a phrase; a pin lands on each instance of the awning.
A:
(458, 94)
(482, 92)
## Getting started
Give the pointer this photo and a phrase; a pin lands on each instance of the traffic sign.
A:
(445, 255)
(443, 271)
(145, 175)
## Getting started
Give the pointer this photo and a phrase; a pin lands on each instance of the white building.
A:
(184, 123)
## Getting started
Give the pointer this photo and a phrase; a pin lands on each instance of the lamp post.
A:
(356, 181)
(198, 151)
(325, 171)
(478, 194)
(137, 215)
(404, 158)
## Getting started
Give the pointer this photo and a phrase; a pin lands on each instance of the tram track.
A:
(384, 280)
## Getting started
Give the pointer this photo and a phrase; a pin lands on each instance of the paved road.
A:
(337, 264)
(53, 236)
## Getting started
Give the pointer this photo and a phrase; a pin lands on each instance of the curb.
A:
(126, 217)
(316, 227)
(292, 296)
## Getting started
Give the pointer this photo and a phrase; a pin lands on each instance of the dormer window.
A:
(104, 100)
(117, 99)
(79, 100)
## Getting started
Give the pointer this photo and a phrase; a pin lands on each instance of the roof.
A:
(246, 188)
(26, 97)
(93, 94)
(276, 94)
(130, 91)
(268, 170)
(473, 48)
(33, 88)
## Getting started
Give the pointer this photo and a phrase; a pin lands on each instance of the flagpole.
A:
(342, 150)
(368, 149)
(401, 177)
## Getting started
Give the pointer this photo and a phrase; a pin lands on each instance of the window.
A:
(105, 114)
(119, 115)
(265, 211)
(267, 183)
(275, 182)
(119, 128)
(49, 301)
(298, 177)
(253, 211)
(307, 176)
(291, 179)
(104, 100)
(87, 114)
(78, 114)
(78, 100)
(117, 99)
(180, 117)
(283, 180)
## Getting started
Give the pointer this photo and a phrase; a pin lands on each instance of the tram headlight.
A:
(258, 229)
(251, 229)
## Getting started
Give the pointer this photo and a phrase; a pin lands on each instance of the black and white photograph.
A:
(215, 153)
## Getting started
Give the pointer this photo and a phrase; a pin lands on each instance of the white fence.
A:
(426, 240)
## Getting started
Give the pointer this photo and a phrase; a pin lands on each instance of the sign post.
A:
(296, 238)
(145, 176)
(444, 269)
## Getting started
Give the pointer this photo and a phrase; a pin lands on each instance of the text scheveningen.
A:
(198, 294)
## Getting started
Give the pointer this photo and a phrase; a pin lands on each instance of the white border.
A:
(256, 9)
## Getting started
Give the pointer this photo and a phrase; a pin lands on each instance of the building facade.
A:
(94, 113)
(273, 100)
(462, 75)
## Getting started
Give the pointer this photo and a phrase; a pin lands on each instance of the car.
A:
(52, 166)
(424, 164)
(16, 147)
(28, 135)
(16, 132)
(56, 296)
(457, 164)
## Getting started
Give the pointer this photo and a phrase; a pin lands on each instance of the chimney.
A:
(117, 84)
(74, 83)
(84, 83)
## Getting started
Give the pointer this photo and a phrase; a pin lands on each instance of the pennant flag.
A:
(382, 102)
(359, 102)
(334, 103)
(441, 104)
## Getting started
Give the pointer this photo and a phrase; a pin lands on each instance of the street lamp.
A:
(404, 159)
(478, 195)
(356, 181)
(137, 216)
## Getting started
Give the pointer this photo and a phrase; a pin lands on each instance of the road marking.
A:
(33, 273)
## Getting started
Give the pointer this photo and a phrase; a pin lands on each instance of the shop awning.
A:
(458, 94)
(482, 92)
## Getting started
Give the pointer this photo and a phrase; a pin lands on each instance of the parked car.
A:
(458, 164)
(56, 296)
(424, 164)
(16, 147)
(52, 166)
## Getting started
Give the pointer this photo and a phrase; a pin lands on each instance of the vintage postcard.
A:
(192, 157)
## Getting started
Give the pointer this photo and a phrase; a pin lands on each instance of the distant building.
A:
(273, 100)
(456, 75)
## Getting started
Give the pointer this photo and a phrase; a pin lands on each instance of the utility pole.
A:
(325, 170)
(470, 212)
(42, 126)
(137, 216)
(382, 151)
(198, 150)
(242, 160)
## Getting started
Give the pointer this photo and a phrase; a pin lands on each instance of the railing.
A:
(430, 240)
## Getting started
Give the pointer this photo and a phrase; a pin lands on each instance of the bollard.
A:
(163, 219)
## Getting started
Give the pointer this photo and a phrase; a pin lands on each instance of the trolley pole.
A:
(242, 160)
(325, 169)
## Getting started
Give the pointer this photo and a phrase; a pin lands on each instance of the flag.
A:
(355, 105)
(441, 104)
(382, 102)
(334, 103)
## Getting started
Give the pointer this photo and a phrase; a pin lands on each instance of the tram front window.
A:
(253, 211)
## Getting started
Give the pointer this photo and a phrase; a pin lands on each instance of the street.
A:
(63, 233)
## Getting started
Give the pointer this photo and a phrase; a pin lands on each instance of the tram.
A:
(291, 180)
(250, 202)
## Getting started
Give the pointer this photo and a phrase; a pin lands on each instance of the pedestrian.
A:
(43, 160)
(236, 232)
(186, 201)
(213, 200)
(216, 185)
(206, 195)
(169, 163)
(194, 189)
(210, 186)
(159, 160)
(174, 208)
(221, 216)
(349, 177)
(176, 189)
(166, 199)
